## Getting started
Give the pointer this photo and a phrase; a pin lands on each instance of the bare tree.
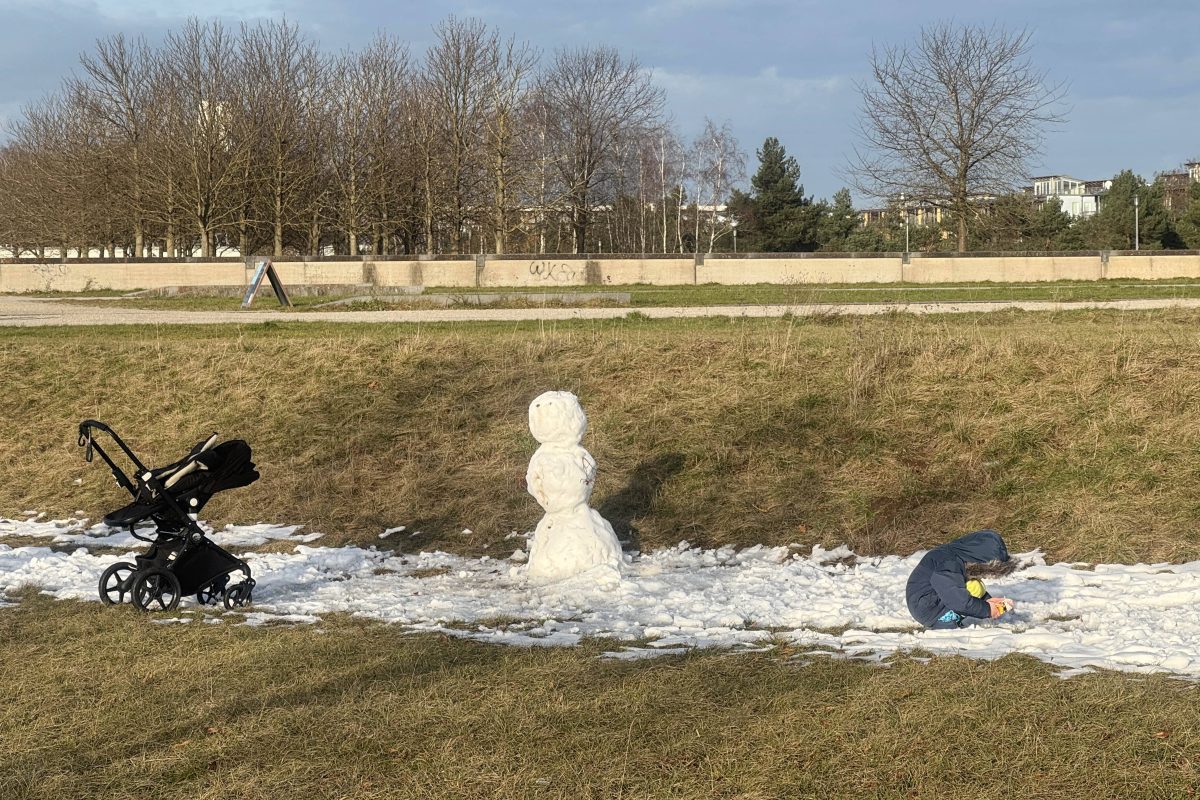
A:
(67, 185)
(952, 119)
(388, 73)
(346, 148)
(669, 155)
(429, 149)
(719, 165)
(278, 116)
(199, 75)
(456, 76)
(507, 74)
(593, 94)
(118, 93)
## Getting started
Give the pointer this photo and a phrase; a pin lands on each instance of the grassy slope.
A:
(1074, 433)
(101, 704)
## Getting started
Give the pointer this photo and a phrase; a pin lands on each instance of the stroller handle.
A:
(87, 441)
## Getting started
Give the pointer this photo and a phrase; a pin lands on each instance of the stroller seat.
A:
(209, 468)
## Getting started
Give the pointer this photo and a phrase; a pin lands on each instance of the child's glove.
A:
(1000, 606)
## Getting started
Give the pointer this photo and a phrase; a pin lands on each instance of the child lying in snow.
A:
(938, 595)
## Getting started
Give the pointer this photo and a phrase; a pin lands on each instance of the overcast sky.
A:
(769, 67)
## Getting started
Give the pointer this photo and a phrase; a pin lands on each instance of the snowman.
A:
(572, 538)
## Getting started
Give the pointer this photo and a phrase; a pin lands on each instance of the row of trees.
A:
(1020, 222)
(776, 216)
(255, 139)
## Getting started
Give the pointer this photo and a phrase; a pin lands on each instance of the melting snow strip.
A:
(1136, 618)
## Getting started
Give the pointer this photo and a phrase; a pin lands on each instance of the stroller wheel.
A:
(212, 594)
(156, 590)
(115, 583)
(238, 595)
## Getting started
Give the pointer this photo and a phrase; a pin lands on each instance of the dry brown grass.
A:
(101, 703)
(1075, 433)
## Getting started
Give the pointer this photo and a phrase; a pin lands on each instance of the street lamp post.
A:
(733, 224)
(1136, 232)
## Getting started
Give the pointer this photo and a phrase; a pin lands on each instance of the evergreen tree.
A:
(1188, 225)
(839, 221)
(1049, 226)
(1014, 223)
(1112, 227)
(776, 217)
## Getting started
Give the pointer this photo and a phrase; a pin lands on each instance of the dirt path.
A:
(16, 310)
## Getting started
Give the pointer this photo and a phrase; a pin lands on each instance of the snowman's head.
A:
(557, 418)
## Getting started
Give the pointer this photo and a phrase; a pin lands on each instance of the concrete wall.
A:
(853, 269)
(455, 273)
(559, 270)
(562, 271)
(534, 271)
(1153, 267)
(655, 271)
(84, 276)
(317, 273)
(1006, 269)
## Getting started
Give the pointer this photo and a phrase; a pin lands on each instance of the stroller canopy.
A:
(209, 468)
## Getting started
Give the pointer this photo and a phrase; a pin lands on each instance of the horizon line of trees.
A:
(1166, 218)
(776, 216)
(257, 140)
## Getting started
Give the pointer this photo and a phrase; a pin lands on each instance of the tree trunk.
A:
(277, 250)
(579, 222)
(500, 222)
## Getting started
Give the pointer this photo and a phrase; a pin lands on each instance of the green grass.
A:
(101, 703)
(1074, 432)
(80, 293)
(645, 296)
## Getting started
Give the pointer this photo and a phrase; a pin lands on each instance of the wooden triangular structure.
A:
(265, 267)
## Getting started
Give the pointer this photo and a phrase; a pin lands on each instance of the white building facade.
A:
(1077, 198)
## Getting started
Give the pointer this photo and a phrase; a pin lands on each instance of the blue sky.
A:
(769, 67)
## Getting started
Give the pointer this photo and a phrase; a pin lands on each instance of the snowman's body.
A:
(572, 537)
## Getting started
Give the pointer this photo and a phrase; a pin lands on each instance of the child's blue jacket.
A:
(939, 582)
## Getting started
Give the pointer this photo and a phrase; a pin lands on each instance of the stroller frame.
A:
(181, 559)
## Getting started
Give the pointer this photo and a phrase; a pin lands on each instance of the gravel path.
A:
(16, 310)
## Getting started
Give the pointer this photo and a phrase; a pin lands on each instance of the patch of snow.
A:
(75, 530)
(1136, 618)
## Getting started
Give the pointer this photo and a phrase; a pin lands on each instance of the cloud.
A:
(766, 84)
(674, 8)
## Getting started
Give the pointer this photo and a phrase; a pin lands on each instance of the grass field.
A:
(99, 703)
(643, 296)
(1074, 433)
(1071, 432)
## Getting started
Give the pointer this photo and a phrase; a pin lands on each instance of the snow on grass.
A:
(1137, 618)
(75, 530)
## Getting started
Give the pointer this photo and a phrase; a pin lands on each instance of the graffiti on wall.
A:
(556, 271)
(48, 274)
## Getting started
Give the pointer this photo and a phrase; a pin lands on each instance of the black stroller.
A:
(181, 559)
